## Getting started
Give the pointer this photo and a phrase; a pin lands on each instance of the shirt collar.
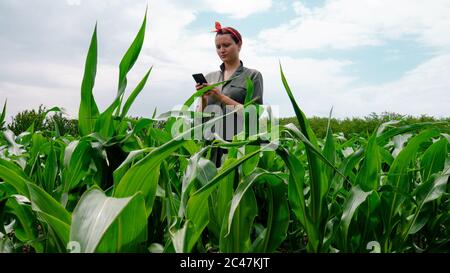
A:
(239, 69)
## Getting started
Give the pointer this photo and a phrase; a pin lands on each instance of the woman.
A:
(231, 94)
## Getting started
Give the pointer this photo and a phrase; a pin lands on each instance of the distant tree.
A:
(63, 125)
(23, 120)
(51, 123)
(361, 126)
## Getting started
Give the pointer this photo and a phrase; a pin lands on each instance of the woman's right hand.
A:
(199, 86)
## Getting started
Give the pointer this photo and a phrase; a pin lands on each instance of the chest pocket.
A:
(237, 93)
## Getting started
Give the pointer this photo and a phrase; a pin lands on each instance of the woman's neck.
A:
(233, 65)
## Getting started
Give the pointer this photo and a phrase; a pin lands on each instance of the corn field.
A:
(128, 185)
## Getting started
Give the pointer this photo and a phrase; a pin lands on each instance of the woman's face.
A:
(226, 48)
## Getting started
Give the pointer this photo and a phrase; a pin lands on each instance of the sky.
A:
(357, 56)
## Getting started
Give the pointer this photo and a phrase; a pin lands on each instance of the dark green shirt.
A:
(235, 89)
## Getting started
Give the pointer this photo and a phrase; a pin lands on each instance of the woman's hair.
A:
(235, 35)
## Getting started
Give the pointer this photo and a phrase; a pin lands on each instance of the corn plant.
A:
(130, 185)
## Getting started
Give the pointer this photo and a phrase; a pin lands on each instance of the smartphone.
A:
(199, 78)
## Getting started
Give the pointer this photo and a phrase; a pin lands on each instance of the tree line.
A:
(22, 121)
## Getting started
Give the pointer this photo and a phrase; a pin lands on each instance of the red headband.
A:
(232, 32)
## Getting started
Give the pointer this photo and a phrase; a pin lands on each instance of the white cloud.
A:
(38, 64)
(301, 9)
(313, 81)
(238, 9)
(280, 6)
(23, 96)
(345, 24)
(43, 62)
(73, 2)
(423, 90)
(319, 85)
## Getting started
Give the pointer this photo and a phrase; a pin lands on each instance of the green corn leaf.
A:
(356, 198)
(298, 134)
(235, 237)
(141, 176)
(345, 169)
(14, 148)
(433, 159)
(386, 156)
(368, 177)
(297, 198)
(419, 222)
(384, 136)
(2, 115)
(200, 92)
(225, 170)
(51, 170)
(197, 169)
(249, 94)
(171, 205)
(106, 224)
(53, 109)
(180, 239)
(3, 201)
(134, 94)
(220, 200)
(138, 173)
(52, 212)
(398, 178)
(146, 185)
(257, 176)
(329, 149)
(319, 185)
(129, 59)
(396, 175)
(126, 164)
(37, 142)
(430, 190)
(44, 202)
(76, 163)
(197, 211)
(24, 231)
(249, 166)
(302, 121)
(197, 218)
(105, 124)
(59, 227)
(277, 221)
(88, 112)
(13, 175)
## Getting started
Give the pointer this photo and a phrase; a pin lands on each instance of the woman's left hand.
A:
(215, 93)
